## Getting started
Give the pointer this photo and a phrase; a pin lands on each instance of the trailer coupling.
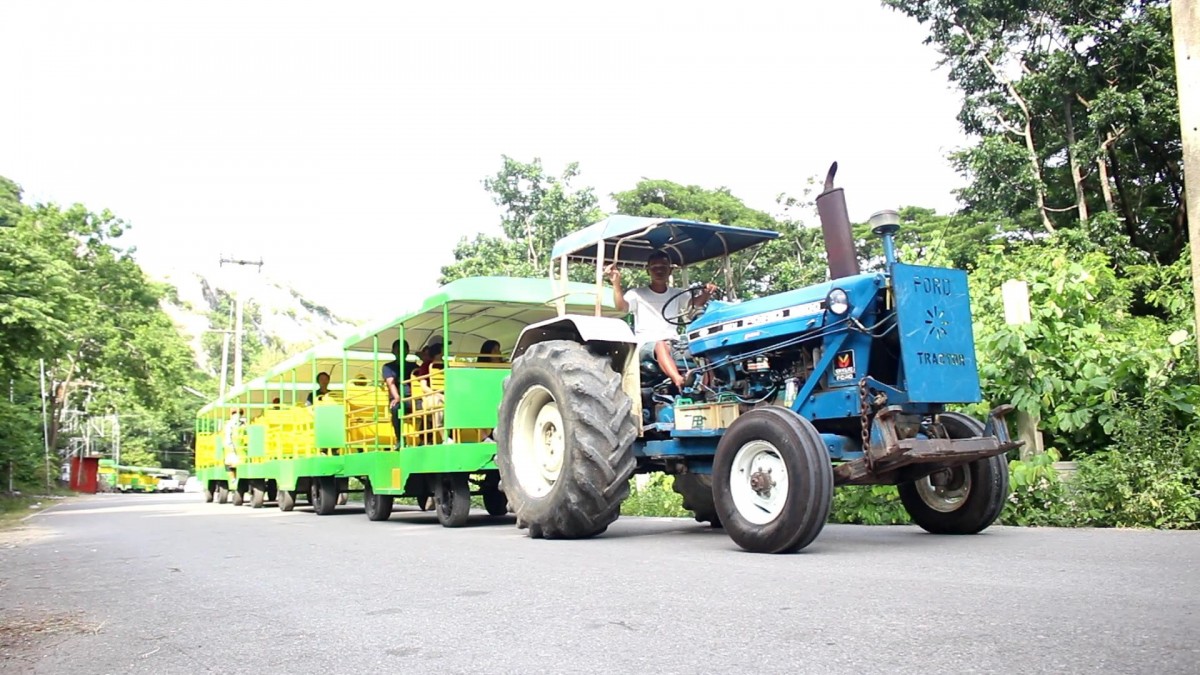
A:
(895, 460)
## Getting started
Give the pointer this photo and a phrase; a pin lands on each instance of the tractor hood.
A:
(778, 317)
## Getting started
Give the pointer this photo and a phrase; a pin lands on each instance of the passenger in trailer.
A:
(396, 383)
(322, 387)
(231, 430)
(435, 400)
(491, 348)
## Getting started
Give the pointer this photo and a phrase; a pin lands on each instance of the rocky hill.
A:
(278, 316)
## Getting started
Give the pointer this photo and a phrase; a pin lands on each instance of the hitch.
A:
(892, 453)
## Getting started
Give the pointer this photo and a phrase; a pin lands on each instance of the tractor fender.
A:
(578, 328)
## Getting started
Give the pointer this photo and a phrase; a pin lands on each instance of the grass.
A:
(16, 506)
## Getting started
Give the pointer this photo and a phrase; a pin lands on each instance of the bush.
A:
(1149, 476)
(1038, 496)
(656, 498)
(868, 505)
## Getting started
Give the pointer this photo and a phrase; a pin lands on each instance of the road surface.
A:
(167, 584)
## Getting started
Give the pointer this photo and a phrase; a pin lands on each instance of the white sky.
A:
(309, 134)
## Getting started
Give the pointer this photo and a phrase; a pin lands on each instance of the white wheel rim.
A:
(538, 443)
(758, 482)
(946, 498)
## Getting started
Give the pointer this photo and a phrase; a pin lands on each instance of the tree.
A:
(793, 260)
(1074, 105)
(955, 240)
(537, 210)
(81, 303)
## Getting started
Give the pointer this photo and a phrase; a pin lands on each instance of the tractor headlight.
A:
(838, 302)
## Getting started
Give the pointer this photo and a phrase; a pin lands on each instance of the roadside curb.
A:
(73, 499)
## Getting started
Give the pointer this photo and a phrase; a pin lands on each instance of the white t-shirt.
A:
(646, 306)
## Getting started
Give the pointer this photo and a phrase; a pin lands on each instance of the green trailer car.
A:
(438, 444)
(427, 439)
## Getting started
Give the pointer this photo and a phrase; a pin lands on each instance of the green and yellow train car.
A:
(429, 440)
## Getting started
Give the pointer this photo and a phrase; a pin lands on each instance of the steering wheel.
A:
(689, 313)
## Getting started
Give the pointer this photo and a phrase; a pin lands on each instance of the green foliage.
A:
(1075, 108)
(795, 259)
(929, 238)
(1083, 352)
(868, 505)
(537, 210)
(21, 427)
(1038, 495)
(82, 303)
(655, 499)
(1149, 476)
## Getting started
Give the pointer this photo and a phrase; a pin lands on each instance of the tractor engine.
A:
(765, 350)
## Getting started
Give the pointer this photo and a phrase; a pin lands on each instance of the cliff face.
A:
(278, 317)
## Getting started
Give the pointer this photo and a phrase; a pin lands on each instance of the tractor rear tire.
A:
(564, 441)
(974, 495)
(495, 502)
(772, 481)
(697, 492)
(378, 507)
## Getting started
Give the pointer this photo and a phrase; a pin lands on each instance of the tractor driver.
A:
(654, 334)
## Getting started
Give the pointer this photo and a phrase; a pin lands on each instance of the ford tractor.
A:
(846, 382)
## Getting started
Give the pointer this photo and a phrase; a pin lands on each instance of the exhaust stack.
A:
(835, 227)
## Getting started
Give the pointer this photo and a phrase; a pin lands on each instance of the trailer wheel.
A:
(325, 499)
(287, 500)
(563, 441)
(452, 499)
(378, 507)
(208, 494)
(969, 498)
(697, 492)
(272, 490)
(222, 494)
(239, 497)
(772, 481)
(257, 496)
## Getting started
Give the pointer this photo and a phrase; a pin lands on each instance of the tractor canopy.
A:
(629, 240)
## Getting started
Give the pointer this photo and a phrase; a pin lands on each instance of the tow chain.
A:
(864, 414)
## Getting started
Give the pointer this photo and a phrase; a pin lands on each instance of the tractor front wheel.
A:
(772, 481)
(564, 441)
(965, 499)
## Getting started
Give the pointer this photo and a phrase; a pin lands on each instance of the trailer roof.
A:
(686, 241)
(479, 308)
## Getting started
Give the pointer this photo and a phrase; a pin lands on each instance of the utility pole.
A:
(224, 360)
(1185, 25)
(45, 424)
(237, 331)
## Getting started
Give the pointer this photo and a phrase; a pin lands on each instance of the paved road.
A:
(166, 584)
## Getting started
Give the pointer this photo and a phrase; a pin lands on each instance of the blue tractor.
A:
(841, 383)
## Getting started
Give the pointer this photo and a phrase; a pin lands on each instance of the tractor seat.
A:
(651, 373)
